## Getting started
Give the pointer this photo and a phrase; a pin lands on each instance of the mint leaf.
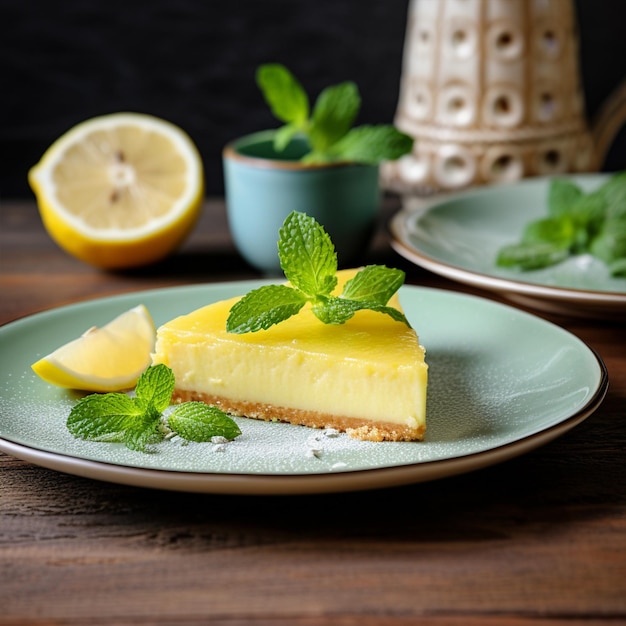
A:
(338, 310)
(103, 416)
(372, 144)
(283, 93)
(610, 245)
(618, 268)
(334, 113)
(309, 261)
(307, 255)
(578, 223)
(335, 310)
(143, 429)
(392, 312)
(531, 256)
(328, 130)
(196, 421)
(136, 421)
(559, 231)
(562, 196)
(614, 191)
(284, 135)
(156, 386)
(263, 307)
(374, 283)
(591, 207)
(589, 214)
(114, 417)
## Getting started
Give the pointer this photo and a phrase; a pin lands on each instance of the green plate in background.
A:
(458, 236)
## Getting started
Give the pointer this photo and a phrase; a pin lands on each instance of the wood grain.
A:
(538, 540)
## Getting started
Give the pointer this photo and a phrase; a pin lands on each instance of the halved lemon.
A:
(120, 190)
(110, 358)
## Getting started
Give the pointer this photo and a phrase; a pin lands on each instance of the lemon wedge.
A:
(120, 190)
(110, 358)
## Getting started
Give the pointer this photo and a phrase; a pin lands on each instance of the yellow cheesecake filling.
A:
(367, 377)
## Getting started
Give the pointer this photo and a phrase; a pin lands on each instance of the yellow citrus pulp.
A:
(120, 190)
(110, 358)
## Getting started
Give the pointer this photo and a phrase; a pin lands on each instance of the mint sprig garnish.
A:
(577, 223)
(308, 259)
(138, 421)
(328, 125)
(196, 421)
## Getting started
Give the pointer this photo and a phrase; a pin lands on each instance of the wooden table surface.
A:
(540, 539)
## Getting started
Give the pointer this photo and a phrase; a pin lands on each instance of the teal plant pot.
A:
(262, 187)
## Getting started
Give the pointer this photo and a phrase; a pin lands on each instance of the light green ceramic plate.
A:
(502, 382)
(458, 236)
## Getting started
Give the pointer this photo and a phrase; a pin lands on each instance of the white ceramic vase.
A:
(491, 91)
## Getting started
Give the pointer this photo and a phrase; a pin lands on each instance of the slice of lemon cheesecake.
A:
(367, 377)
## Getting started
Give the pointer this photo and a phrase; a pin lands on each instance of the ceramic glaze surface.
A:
(491, 92)
(263, 189)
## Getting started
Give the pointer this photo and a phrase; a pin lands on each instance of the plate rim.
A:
(504, 284)
(296, 483)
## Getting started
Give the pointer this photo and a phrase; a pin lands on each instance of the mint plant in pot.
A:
(318, 162)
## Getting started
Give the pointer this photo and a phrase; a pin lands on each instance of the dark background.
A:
(193, 62)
